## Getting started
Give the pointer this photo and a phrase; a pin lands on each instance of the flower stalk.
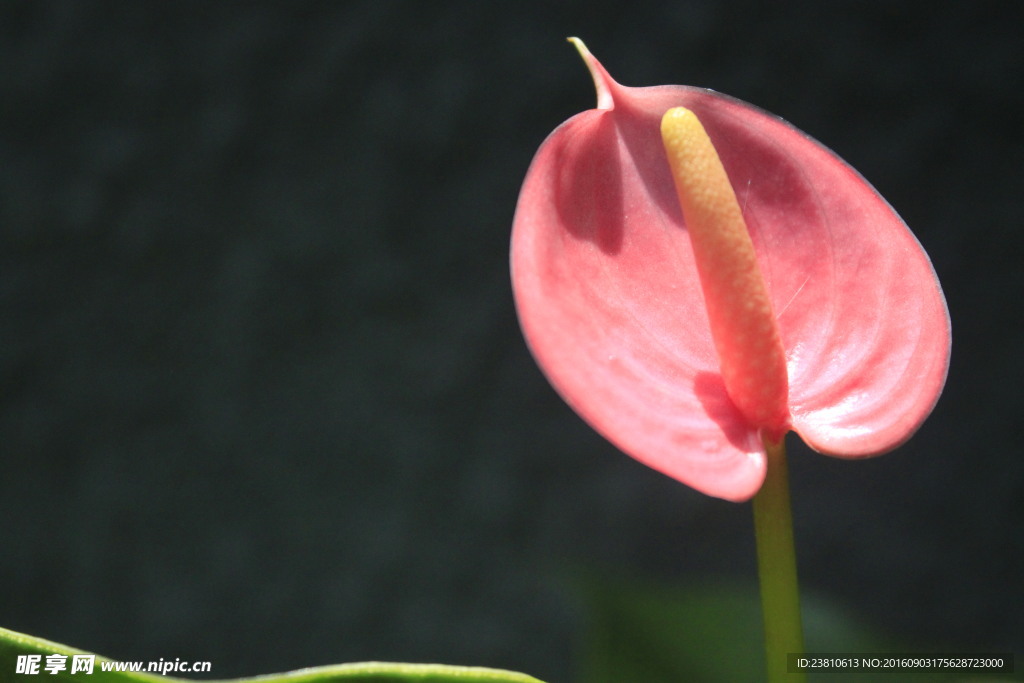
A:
(776, 567)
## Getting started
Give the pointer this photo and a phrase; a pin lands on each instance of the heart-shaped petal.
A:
(611, 305)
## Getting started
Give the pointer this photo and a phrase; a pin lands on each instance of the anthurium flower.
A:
(689, 321)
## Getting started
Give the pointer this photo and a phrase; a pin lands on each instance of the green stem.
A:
(776, 565)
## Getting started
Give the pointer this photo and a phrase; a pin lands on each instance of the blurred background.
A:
(263, 397)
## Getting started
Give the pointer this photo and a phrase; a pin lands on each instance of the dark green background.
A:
(263, 398)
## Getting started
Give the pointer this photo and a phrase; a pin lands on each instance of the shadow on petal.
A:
(710, 391)
(588, 189)
(641, 133)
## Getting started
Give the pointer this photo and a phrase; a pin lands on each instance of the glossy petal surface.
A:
(611, 306)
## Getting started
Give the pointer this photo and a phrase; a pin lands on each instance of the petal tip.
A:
(602, 81)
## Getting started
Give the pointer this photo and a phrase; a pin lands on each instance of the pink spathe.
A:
(611, 305)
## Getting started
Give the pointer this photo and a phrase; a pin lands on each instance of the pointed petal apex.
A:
(602, 81)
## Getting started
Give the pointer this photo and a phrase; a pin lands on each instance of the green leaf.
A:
(13, 644)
